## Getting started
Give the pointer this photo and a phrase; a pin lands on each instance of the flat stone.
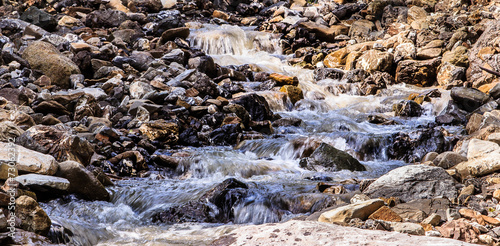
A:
(386, 214)
(29, 161)
(43, 181)
(409, 228)
(479, 148)
(344, 214)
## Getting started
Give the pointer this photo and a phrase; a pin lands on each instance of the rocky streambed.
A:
(238, 122)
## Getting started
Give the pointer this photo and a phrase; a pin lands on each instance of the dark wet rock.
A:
(256, 105)
(328, 158)
(417, 72)
(226, 135)
(105, 18)
(228, 5)
(82, 181)
(58, 141)
(468, 99)
(215, 206)
(33, 218)
(452, 115)
(328, 73)
(46, 57)
(40, 18)
(204, 64)
(414, 182)
(408, 108)
(412, 147)
(355, 76)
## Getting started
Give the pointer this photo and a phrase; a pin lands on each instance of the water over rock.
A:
(215, 206)
(327, 158)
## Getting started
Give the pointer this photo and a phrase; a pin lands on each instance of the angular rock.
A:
(344, 214)
(409, 228)
(59, 141)
(28, 161)
(374, 60)
(449, 73)
(417, 72)
(46, 58)
(386, 214)
(294, 93)
(468, 99)
(414, 182)
(479, 166)
(328, 158)
(256, 106)
(448, 159)
(161, 130)
(33, 218)
(408, 108)
(40, 18)
(460, 229)
(82, 181)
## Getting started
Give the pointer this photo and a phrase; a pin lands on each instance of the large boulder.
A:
(28, 161)
(413, 182)
(82, 181)
(417, 72)
(32, 216)
(59, 141)
(46, 58)
(483, 54)
(328, 158)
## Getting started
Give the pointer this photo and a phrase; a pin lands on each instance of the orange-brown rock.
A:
(386, 214)
(283, 79)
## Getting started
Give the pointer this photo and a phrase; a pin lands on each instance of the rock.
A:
(316, 233)
(408, 108)
(215, 206)
(409, 228)
(105, 18)
(449, 73)
(40, 18)
(487, 39)
(374, 60)
(433, 219)
(226, 135)
(448, 159)
(460, 229)
(468, 99)
(43, 182)
(323, 32)
(9, 130)
(293, 92)
(418, 210)
(139, 88)
(256, 105)
(33, 218)
(82, 181)
(69, 21)
(417, 72)
(46, 58)
(386, 214)
(59, 141)
(359, 210)
(204, 64)
(425, 182)
(416, 13)
(328, 158)
(171, 34)
(361, 28)
(336, 58)
(29, 161)
(479, 166)
(458, 57)
(480, 148)
(284, 80)
(161, 130)
(328, 73)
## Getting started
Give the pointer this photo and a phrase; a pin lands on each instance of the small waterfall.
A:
(233, 40)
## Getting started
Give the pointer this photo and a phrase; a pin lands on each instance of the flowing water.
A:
(269, 166)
